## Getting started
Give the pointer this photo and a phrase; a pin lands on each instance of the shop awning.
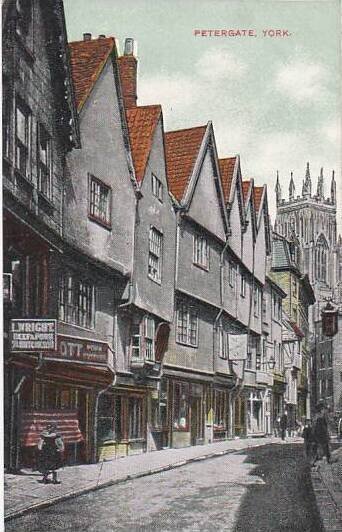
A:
(33, 424)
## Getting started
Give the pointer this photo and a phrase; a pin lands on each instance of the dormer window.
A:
(157, 187)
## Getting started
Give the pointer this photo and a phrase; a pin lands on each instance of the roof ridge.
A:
(186, 129)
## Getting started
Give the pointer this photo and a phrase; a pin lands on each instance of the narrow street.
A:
(265, 489)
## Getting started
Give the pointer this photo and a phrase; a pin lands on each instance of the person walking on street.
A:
(321, 434)
(309, 441)
(283, 425)
(50, 447)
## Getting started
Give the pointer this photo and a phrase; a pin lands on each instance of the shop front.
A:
(59, 387)
(256, 418)
(122, 422)
(188, 412)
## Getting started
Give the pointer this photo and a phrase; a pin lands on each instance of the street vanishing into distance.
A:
(263, 489)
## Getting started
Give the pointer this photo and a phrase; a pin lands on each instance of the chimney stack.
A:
(128, 74)
(102, 36)
(87, 36)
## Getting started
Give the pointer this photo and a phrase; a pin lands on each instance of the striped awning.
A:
(34, 423)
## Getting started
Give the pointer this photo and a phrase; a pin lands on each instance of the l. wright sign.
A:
(33, 335)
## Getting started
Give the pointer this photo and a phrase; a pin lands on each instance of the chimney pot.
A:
(102, 36)
(87, 36)
(129, 46)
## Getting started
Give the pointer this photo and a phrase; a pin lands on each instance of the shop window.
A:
(220, 411)
(76, 301)
(201, 251)
(135, 418)
(100, 199)
(109, 418)
(143, 338)
(22, 138)
(187, 325)
(157, 187)
(181, 406)
(155, 254)
(44, 162)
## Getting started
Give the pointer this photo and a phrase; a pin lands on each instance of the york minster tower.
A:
(309, 219)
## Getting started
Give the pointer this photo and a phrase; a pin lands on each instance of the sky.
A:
(274, 100)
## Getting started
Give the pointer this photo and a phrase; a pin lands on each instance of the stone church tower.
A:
(312, 219)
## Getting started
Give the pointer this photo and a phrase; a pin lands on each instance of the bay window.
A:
(142, 338)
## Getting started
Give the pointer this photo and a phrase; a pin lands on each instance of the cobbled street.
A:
(265, 489)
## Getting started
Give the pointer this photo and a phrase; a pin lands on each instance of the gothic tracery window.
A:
(321, 253)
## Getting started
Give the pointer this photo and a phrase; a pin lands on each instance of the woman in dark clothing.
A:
(50, 448)
(321, 434)
(310, 446)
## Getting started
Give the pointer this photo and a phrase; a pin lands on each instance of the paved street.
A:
(266, 488)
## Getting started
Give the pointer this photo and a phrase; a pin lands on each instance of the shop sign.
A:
(33, 335)
(81, 349)
(329, 320)
(237, 346)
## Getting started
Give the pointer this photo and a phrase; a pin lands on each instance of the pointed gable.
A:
(182, 149)
(142, 122)
(87, 61)
(227, 168)
(258, 193)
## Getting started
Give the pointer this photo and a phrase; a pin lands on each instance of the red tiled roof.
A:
(182, 148)
(245, 189)
(141, 123)
(257, 197)
(87, 61)
(227, 170)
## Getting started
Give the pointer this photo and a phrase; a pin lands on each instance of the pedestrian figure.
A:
(50, 447)
(321, 434)
(310, 447)
(283, 425)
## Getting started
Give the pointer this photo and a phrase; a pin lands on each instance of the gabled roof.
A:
(87, 61)
(258, 191)
(227, 167)
(181, 149)
(245, 189)
(142, 122)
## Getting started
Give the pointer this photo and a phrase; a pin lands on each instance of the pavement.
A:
(327, 484)
(23, 493)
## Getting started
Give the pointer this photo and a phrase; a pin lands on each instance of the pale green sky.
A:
(275, 101)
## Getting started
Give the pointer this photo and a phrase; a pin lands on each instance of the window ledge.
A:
(23, 177)
(106, 225)
(201, 267)
(45, 201)
(157, 281)
(187, 345)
